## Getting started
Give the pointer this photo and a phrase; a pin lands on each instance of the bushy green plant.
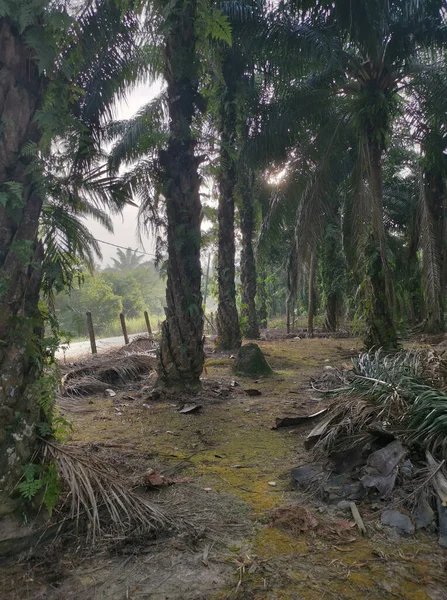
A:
(398, 391)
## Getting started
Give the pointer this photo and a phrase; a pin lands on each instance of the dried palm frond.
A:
(84, 386)
(110, 369)
(333, 380)
(98, 494)
(398, 393)
(436, 369)
(348, 417)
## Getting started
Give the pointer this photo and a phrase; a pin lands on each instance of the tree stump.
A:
(250, 361)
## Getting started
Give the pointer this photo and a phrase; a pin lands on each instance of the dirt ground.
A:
(235, 473)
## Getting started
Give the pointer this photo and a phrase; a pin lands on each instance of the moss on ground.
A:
(218, 362)
(231, 448)
(251, 361)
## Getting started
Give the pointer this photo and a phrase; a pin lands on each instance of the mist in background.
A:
(125, 225)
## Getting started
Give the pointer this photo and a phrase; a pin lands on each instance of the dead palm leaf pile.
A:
(403, 395)
(384, 436)
(111, 369)
(98, 496)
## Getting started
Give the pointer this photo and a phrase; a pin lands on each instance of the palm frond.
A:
(398, 393)
(146, 133)
(98, 494)
(109, 53)
(67, 240)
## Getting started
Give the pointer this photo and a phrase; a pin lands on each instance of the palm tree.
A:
(20, 282)
(237, 96)
(128, 260)
(373, 50)
(333, 268)
(229, 336)
(158, 149)
(402, 208)
(247, 188)
(427, 124)
(166, 160)
(47, 94)
(304, 212)
(181, 349)
(262, 299)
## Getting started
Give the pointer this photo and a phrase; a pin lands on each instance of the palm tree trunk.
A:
(262, 296)
(433, 256)
(414, 274)
(381, 331)
(248, 264)
(181, 353)
(331, 320)
(333, 269)
(21, 331)
(228, 331)
(288, 303)
(312, 296)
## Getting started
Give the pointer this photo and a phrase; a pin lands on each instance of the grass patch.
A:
(219, 362)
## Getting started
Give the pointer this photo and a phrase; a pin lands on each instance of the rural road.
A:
(79, 349)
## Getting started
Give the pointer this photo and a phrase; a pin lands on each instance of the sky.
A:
(125, 226)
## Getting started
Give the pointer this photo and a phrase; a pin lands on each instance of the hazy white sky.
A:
(125, 226)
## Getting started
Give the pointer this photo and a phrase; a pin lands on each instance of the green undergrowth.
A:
(219, 363)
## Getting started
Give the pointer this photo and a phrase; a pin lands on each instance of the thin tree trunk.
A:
(312, 296)
(333, 269)
(21, 328)
(207, 277)
(433, 259)
(288, 303)
(248, 264)
(413, 273)
(228, 331)
(181, 353)
(381, 331)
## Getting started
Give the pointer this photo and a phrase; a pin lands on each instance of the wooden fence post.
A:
(124, 328)
(148, 324)
(91, 332)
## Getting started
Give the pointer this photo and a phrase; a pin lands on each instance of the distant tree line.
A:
(130, 286)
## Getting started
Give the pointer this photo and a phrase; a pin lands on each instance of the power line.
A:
(124, 248)
(128, 247)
